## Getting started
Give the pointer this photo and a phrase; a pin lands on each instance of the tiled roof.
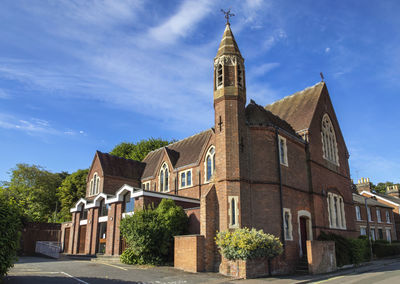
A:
(388, 197)
(228, 43)
(181, 153)
(257, 115)
(298, 109)
(371, 202)
(120, 167)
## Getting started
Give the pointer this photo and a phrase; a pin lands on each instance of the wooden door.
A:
(82, 239)
(303, 235)
(66, 239)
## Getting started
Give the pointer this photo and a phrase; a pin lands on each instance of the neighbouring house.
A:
(390, 198)
(375, 217)
(282, 168)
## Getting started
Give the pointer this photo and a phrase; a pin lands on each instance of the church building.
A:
(282, 168)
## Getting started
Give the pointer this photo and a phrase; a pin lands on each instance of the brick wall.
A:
(188, 254)
(194, 220)
(33, 232)
(321, 257)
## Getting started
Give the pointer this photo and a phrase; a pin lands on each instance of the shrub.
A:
(381, 249)
(149, 233)
(243, 244)
(9, 234)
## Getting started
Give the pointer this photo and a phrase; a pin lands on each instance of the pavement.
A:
(33, 270)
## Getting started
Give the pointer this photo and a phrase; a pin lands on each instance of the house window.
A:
(287, 224)
(329, 145)
(94, 184)
(387, 217)
(210, 163)
(363, 231)
(239, 76)
(103, 208)
(219, 76)
(84, 213)
(233, 212)
(369, 214)
(388, 235)
(185, 179)
(164, 177)
(358, 213)
(336, 213)
(283, 151)
(378, 215)
(380, 234)
(146, 185)
(129, 203)
(372, 234)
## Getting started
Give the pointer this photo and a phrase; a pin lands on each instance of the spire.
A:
(228, 43)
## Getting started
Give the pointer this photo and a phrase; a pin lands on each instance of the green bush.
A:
(381, 249)
(248, 244)
(149, 233)
(348, 251)
(10, 225)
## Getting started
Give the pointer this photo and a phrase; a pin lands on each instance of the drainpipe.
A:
(199, 174)
(368, 228)
(278, 160)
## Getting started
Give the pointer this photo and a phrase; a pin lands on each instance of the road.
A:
(32, 270)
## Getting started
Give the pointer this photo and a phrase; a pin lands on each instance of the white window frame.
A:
(219, 83)
(284, 162)
(146, 185)
(388, 217)
(377, 233)
(369, 214)
(236, 201)
(94, 185)
(212, 156)
(372, 236)
(288, 232)
(365, 230)
(358, 213)
(165, 169)
(378, 215)
(389, 239)
(336, 215)
(185, 173)
(329, 143)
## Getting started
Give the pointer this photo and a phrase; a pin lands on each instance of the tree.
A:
(138, 151)
(381, 187)
(71, 190)
(34, 190)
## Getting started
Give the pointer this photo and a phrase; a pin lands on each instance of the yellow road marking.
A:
(116, 266)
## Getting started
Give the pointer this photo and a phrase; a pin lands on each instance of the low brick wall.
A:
(33, 232)
(246, 269)
(188, 254)
(321, 256)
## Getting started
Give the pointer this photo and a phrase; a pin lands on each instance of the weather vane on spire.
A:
(228, 14)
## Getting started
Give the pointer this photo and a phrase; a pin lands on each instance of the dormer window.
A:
(219, 76)
(329, 145)
(164, 178)
(239, 76)
(210, 163)
(94, 184)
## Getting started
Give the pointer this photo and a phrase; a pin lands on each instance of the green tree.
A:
(34, 190)
(138, 151)
(381, 187)
(71, 190)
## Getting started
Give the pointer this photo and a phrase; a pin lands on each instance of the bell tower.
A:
(230, 132)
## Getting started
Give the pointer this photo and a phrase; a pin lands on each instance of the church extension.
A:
(282, 168)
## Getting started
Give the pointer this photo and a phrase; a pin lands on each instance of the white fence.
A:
(51, 249)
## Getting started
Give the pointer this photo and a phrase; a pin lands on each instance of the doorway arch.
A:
(305, 230)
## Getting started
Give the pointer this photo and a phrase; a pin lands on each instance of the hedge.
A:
(381, 249)
(149, 233)
(10, 225)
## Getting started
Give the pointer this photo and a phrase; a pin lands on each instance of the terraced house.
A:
(282, 168)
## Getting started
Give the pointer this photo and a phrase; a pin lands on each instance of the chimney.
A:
(363, 184)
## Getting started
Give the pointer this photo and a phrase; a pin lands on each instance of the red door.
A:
(303, 234)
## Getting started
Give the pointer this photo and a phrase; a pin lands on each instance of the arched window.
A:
(103, 208)
(129, 203)
(329, 145)
(94, 184)
(219, 76)
(164, 177)
(210, 163)
(233, 212)
(239, 76)
(336, 213)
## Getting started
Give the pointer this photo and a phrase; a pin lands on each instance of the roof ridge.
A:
(177, 142)
(296, 93)
(118, 156)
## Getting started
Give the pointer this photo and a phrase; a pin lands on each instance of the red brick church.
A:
(282, 168)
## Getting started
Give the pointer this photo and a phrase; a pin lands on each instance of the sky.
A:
(80, 76)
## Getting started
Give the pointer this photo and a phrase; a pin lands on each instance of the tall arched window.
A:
(164, 177)
(219, 76)
(210, 163)
(239, 76)
(94, 184)
(329, 145)
(336, 213)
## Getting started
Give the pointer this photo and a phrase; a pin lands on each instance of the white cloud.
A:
(262, 69)
(4, 95)
(328, 49)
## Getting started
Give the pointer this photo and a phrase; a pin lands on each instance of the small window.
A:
(103, 208)
(233, 212)
(287, 223)
(283, 151)
(358, 213)
(363, 231)
(239, 76)
(372, 234)
(219, 76)
(378, 215)
(380, 234)
(129, 203)
(369, 214)
(84, 213)
(388, 235)
(185, 179)
(387, 217)
(146, 185)
(210, 164)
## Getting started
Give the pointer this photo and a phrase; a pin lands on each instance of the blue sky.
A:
(76, 76)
